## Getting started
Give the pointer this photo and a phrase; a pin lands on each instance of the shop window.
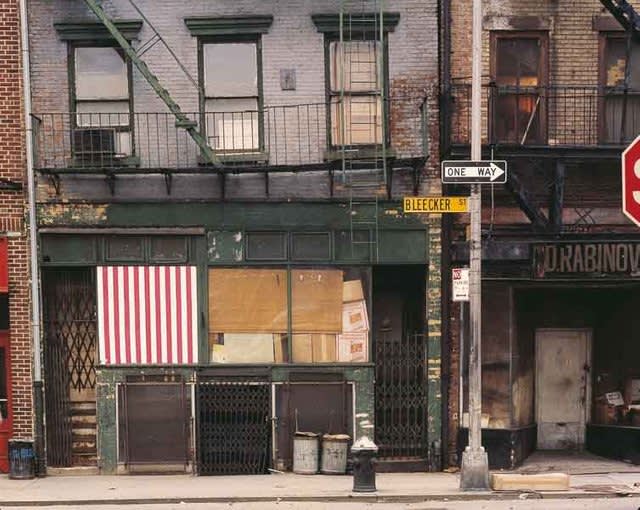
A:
(168, 249)
(249, 313)
(517, 101)
(125, 249)
(354, 92)
(102, 103)
(311, 246)
(353, 246)
(232, 95)
(266, 246)
(621, 112)
(4, 312)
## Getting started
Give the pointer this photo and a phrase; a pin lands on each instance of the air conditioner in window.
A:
(95, 145)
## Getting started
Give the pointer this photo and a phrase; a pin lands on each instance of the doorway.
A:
(400, 366)
(563, 389)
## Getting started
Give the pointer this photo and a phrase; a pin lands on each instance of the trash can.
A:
(364, 452)
(21, 459)
(305, 453)
(334, 454)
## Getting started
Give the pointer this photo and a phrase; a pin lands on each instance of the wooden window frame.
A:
(255, 38)
(543, 75)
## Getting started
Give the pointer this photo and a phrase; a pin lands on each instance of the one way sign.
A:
(474, 172)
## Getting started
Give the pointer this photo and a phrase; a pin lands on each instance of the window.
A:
(620, 112)
(101, 103)
(518, 74)
(311, 315)
(354, 92)
(232, 95)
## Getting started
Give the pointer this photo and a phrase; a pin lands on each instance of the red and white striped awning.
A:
(147, 315)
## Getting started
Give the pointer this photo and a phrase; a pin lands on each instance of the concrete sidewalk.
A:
(397, 487)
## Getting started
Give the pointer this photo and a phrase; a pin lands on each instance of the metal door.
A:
(562, 387)
(234, 426)
(69, 307)
(401, 396)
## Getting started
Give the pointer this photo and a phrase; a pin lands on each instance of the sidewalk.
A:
(396, 487)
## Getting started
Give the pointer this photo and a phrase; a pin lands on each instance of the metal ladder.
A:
(626, 15)
(182, 121)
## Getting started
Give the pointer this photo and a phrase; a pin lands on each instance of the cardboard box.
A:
(324, 348)
(302, 348)
(353, 347)
(354, 317)
(632, 391)
(352, 291)
(248, 347)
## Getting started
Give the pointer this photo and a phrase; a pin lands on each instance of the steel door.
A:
(562, 387)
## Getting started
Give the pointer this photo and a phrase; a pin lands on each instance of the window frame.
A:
(605, 90)
(543, 76)
(369, 35)
(255, 38)
(73, 100)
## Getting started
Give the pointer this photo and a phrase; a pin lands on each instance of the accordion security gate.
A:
(401, 397)
(233, 426)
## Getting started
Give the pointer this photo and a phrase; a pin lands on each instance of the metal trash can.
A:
(334, 454)
(364, 452)
(305, 453)
(22, 464)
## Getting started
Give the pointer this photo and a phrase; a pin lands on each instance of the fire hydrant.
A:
(364, 452)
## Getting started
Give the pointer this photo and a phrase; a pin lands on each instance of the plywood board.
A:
(324, 348)
(317, 300)
(280, 353)
(302, 349)
(248, 348)
(247, 300)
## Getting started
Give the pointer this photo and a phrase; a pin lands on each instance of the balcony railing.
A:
(567, 116)
(286, 137)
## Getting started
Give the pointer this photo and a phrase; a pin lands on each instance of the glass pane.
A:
(311, 246)
(4, 404)
(168, 249)
(517, 118)
(614, 105)
(518, 62)
(266, 246)
(356, 121)
(248, 316)
(232, 124)
(125, 248)
(230, 69)
(4, 312)
(102, 114)
(101, 73)
(614, 61)
(359, 61)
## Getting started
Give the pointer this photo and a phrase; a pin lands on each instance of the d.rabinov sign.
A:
(574, 260)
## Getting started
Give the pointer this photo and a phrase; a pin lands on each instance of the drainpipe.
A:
(33, 248)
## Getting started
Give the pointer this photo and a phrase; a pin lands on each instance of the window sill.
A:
(257, 158)
(107, 162)
(369, 152)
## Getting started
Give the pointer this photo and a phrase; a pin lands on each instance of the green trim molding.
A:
(229, 25)
(357, 23)
(96, 31)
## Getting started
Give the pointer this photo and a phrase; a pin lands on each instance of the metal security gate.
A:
(69, 308)
(234, 426)
(401, 397)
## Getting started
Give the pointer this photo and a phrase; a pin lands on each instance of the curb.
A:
(367, 498)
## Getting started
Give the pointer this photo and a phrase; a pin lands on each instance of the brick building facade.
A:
(553, 107)
(15, 312)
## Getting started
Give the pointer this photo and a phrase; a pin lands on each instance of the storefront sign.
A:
(586, 259)
(435, 204)
(460, 284)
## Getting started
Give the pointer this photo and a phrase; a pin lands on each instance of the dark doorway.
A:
(69, 308)
(400, 356)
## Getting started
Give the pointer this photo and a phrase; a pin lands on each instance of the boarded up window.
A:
(317, 301)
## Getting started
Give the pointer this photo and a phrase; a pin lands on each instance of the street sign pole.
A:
(475, 465)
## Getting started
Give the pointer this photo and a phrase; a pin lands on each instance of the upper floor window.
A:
(101, 102)
(355, 86)
(518, 66)
(620, 110)
(231, 75)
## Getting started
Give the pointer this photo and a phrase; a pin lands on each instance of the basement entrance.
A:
(400, 349)
(70, 376)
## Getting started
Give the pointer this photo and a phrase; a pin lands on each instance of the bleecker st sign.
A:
(574, 260)
(435, 204)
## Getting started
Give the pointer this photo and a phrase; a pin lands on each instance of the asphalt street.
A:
(532, 504)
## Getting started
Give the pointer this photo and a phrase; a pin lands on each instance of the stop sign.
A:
(631, 181)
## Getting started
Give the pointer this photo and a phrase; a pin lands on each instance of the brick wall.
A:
(12, 210)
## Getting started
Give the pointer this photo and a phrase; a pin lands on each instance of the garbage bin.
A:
(21, 459)
(334, 454)
(305, 453)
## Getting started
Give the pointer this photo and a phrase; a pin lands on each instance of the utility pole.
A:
(475, 464)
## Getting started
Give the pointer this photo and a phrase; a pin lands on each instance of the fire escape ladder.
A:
(626, 15)
(182, 121)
